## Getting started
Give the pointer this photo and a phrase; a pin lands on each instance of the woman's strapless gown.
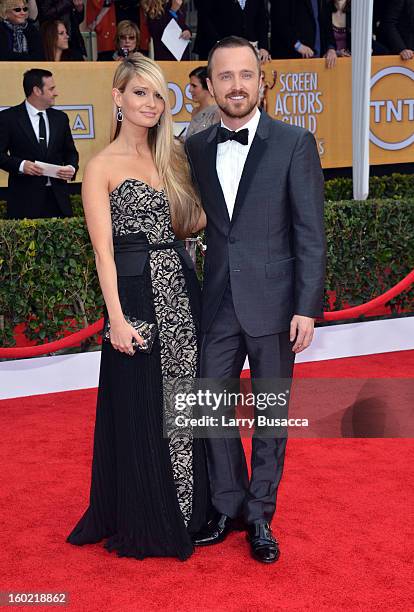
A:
(148, 493)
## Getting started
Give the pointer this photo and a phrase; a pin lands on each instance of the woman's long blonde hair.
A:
(153, 8)
(168, 153)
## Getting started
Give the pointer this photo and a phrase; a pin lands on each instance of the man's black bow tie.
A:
(242, 136)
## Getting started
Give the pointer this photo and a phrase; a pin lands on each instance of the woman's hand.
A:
(201, 223)
(264, 56)
(176, 5)
(330, 58)
(121, 336)
(186, 34)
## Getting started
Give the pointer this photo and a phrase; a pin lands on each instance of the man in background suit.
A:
(33, 131)
(397, 28)
(220, 18)
(302, 29)
(261, 187)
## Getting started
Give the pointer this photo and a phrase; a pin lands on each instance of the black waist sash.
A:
(131, 253)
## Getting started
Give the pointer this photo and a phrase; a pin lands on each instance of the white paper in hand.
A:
(173, 42)
(49, 169)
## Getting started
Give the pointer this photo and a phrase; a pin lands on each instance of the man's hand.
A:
(78, 4)
(31, 169)
(407, 54)
(306, 51)
(264, 55)
(331, 58)
(301, 330)
(65, 172)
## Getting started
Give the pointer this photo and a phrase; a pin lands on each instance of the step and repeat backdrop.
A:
(301, 92)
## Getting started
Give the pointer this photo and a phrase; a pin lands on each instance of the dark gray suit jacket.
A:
(273, 249)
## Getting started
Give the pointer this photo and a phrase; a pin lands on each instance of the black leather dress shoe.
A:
(263, 545)
(217, 530)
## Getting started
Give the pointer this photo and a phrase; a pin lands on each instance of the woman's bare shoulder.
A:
(102, 162)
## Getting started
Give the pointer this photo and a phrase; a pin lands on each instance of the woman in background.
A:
(158, 14)
(341, 25)
(207, 112)
(19, 38)
(55, 40)
(72, 13)
(127, 39)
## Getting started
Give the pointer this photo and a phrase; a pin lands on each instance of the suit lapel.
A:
(52, 129)
(211, 165)
(257, 149)
(27, 127)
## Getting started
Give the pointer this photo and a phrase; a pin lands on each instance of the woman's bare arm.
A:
(96, 204)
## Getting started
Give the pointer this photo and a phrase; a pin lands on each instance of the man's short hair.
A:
(34, 78)
(231, 42)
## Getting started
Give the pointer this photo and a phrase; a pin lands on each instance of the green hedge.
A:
(47, 269)
(394, 186)
(370, 248)
(47, 278)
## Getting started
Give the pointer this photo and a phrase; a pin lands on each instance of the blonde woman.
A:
(19, 38)
(148, 492)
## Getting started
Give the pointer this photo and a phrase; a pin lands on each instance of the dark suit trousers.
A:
(223, 351)
(51, 207)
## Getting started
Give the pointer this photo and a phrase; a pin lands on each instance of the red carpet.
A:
(344, 523)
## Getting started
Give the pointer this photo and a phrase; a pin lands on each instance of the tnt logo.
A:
(81, 120)
(392, 115)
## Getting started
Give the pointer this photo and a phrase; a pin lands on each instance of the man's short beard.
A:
(233, 115)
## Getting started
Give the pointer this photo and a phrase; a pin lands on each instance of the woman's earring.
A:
(119, 114)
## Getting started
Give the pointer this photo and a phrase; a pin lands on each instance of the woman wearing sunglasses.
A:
(19, 39)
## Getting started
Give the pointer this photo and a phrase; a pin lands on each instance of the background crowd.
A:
(62, 30)
(57, 30)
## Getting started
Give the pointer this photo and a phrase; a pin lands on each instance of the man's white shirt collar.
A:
(32, 110)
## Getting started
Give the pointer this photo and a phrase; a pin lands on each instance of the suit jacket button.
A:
(232, 240)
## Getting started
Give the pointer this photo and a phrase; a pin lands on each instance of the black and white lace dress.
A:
(148, 492)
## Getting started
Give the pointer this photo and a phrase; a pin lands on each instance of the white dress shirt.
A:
(230, 160)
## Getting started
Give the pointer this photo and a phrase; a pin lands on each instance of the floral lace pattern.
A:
(137, 207)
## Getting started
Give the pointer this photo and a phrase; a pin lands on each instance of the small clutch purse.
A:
(147, 331)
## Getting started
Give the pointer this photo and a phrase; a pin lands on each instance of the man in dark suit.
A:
(261, 187)
(302, 29)
(397, 28)
(30, 132)
(220, 18)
